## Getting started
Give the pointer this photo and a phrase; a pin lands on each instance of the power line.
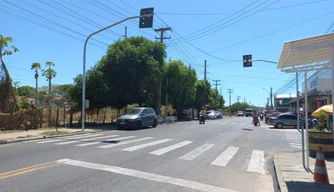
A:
(226, 13)
(207, 32)
(62, 26)
(49, 28)
(268, 34)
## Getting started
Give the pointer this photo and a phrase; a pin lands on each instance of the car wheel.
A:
(155, 123)
(138, 125)
(280, 125)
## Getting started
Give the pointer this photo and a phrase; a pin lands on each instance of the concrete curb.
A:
(279, 175)
(47, 137)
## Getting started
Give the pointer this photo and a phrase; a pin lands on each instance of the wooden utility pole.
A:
(162, 37)
(216, 84)
(204, 69)
(230, 91)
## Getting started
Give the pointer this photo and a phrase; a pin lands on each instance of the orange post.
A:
(320, 171)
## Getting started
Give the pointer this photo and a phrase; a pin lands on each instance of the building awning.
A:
(307, 54)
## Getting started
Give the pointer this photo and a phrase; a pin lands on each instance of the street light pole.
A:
(84, 64)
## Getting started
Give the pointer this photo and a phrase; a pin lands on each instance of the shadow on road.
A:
(297, 186)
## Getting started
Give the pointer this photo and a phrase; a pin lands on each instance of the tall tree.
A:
(8, 100)
(203, 88)
(49, 73)
(130, 67)
(36, 66)
(182, 83)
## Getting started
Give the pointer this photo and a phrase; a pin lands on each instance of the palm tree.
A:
(36, 66)
(49, 74)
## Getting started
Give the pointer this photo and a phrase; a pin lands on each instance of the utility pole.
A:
(126, 32)
(204, 70)
(244, 100)
(230, 91)
(238, 97)
(271, 98)
(167, 97)
(216, 84)
(162, 37)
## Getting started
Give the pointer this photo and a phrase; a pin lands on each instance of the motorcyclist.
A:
(255, 119)
(261, 116)
(202, 112)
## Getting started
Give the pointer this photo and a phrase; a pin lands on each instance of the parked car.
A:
(219, 114)
(240, 113)
(210, 115)
(273, 114)
(285, 119)
(137, 118)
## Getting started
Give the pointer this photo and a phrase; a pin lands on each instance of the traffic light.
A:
(247, 60)
(146, 22)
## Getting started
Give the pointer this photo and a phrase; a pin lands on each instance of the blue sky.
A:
(201, 30)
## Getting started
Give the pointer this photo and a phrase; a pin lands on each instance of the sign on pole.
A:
(247, 60)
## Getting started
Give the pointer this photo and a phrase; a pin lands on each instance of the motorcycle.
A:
(261, 117)
(201, 119)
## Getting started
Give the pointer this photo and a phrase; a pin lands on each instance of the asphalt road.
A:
(222, 155)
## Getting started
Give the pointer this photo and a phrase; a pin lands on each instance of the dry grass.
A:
(54, 132)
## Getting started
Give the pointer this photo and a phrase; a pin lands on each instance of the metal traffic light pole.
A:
(248, 59)
(84, 61)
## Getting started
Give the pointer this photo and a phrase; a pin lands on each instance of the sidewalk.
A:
(292, 176)
(8, 137)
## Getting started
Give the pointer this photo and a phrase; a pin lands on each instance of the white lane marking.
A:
(134, 148)
(242, 124)
(170, 148)
(98, 142)
(124, 143)
(225, 157)
(67, 142)
(82, 136)
(196, 152)
(223, 123)
(257, 162)
(296, 146)
(50, 141)
(148, 176)
(233, 123)
(103, 137)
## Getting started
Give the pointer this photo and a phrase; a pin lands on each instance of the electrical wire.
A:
(209, 32)
(48, 27)
(268, 34)
(62, 26)
(227, 13)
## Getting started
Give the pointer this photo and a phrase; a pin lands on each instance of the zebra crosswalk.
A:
(294, 139)
(225, 155)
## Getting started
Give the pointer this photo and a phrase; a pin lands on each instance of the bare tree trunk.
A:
(97, 116)
(64, 116)
(105, 113)
(49, 115)
(36, 76)
(57, 119)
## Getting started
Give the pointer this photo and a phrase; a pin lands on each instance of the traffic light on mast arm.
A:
(146, 21)
(247, 60)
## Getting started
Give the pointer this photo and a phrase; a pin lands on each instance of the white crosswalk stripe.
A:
(230, 154)
(50, 141)
(225, 157)
(134, 148)
(98, 142)
(294, 139)
(196, 152)
(257, 161)
(170, 148)
(124, 143)
(67, 142)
